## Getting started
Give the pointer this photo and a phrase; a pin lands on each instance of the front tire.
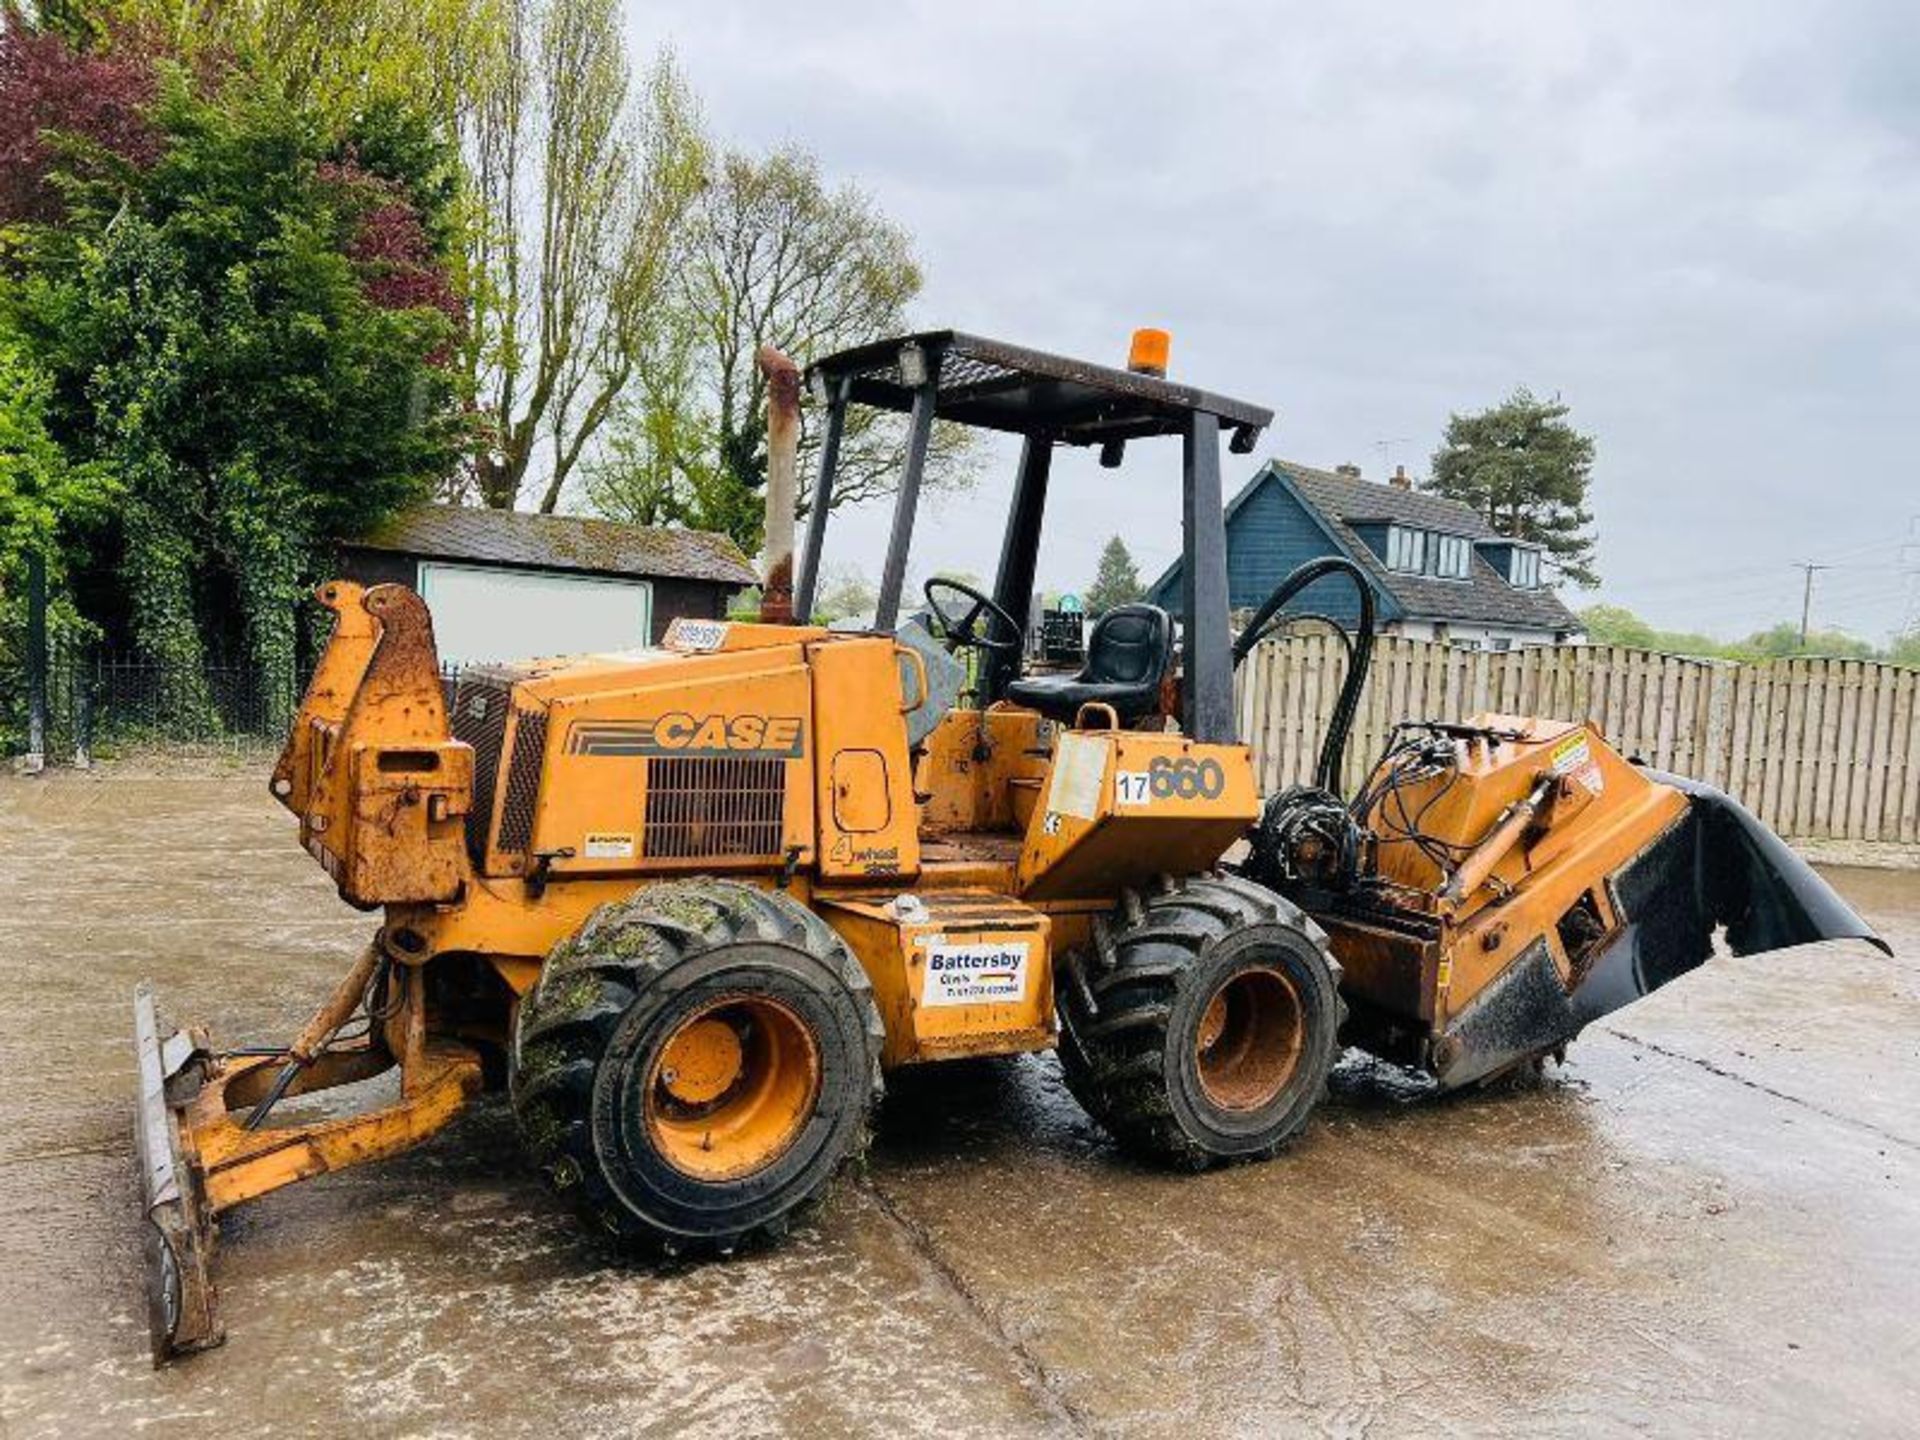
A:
(1200, 1025)
(696, 1064)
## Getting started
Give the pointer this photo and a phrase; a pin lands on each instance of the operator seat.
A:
(1127, 655)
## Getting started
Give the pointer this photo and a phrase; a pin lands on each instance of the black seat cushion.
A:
(1127, 655)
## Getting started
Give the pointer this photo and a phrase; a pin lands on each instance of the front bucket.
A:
(1718, 872)
(182, 1308)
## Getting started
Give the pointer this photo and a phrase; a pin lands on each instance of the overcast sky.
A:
(1697, 222)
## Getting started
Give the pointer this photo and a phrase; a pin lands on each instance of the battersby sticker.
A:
(608, 845)
(975, 974)
(680, 733)
(685, 634)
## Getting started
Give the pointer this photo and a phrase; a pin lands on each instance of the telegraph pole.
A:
(1806, 598)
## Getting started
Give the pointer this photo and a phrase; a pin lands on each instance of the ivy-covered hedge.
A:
(225, 330)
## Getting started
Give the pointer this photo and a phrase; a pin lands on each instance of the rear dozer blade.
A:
(182, 1308)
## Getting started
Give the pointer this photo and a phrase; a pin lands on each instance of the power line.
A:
(1745, 576)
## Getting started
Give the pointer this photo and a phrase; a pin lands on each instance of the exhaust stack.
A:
(783, 458)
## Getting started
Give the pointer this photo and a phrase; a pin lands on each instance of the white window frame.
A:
(1406, 549)
(1456, 549)
(1524, 568)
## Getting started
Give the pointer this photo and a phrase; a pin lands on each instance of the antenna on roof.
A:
(1385, 447)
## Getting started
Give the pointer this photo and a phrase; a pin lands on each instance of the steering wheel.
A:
(966, 632)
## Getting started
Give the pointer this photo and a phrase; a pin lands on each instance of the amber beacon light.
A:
(1148, 353)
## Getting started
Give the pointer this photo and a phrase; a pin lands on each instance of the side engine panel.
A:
(673, 763)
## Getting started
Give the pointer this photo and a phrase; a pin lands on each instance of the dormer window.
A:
(1515, 561)
(1452, 557)
(1406, 549)
(1428, 552)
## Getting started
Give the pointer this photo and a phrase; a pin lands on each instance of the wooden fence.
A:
(1816, 748)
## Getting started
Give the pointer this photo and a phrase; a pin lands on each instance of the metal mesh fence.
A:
(101, 704)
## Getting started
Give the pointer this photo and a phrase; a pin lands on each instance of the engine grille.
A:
(701, 807)
(480, 718)
(523, 781)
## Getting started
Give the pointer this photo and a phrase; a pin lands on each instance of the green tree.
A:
(845, 593)
(47, 505)
(1617, 625)
(1905, 649)
(575, 173)
(333, 57)
(1117, 582)
(251, 332)
(770, 256)
(1782, 641)
(580, 182)
(1527, 470)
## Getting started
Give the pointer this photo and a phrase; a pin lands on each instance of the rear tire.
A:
(695, 1065)
(1200, 1025)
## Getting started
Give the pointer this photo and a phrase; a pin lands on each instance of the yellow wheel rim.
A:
(1249, 1041)
(732, 1088)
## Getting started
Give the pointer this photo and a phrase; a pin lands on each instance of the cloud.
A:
(1696, 222)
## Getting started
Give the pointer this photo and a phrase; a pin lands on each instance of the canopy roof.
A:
(997, 386)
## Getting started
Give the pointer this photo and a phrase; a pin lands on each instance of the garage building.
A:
(504, 584)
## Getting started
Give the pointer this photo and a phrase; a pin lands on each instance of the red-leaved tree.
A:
(390, 247)
(91, 103)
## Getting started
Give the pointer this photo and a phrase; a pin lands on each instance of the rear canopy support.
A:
(807, 581)
(886, 612)
(1020, 551)
(1206, 654)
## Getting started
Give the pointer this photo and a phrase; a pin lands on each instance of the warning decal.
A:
(1571, 754)
(988, 974)
(1575, 757)
(608, 845)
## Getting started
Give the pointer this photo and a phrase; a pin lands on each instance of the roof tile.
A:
(561, 542)
(1483, 598)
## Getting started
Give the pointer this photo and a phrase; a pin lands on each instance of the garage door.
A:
(483, 614)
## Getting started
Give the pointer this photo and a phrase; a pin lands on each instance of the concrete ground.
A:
(1707, 1222)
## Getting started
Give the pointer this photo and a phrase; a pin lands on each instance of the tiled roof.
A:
(561, 542)
(1482, 598)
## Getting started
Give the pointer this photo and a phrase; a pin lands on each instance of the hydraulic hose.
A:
(1333, 749)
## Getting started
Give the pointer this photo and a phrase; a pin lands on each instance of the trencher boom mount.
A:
(690, 905)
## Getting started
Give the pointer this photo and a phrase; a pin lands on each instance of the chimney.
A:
(1401, 480)
(1350, 470)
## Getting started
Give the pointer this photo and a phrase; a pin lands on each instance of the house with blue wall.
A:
(1437, 569)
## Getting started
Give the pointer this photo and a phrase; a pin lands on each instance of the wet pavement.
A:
(1706, 1222)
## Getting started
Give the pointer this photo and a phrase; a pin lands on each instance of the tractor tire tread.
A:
(1113, 1059)
(625, 948)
